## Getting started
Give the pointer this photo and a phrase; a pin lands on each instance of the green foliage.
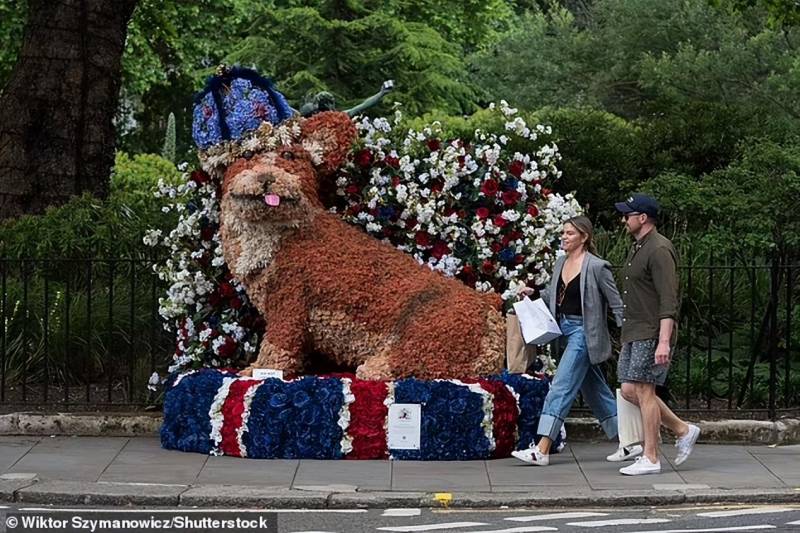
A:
(781, 12)
(749, 207)
(12, 13)
(168, 151)
(88, 227)
(351, 56)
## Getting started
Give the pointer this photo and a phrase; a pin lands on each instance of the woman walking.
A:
(579, 294)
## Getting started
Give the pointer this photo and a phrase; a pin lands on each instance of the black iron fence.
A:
(79, 334)
(85, 334)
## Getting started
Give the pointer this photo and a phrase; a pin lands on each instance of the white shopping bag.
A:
(537, 324)
(629, 422)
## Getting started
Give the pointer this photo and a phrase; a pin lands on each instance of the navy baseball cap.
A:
(639, 203)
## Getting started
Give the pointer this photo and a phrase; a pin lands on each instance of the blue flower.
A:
(507, 255)
(451, 421)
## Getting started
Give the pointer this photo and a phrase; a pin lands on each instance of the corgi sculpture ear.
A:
(328, 137)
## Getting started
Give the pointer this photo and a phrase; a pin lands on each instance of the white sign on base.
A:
(404, 426)
(264, 373)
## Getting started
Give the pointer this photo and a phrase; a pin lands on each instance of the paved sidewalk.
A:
(137, 471)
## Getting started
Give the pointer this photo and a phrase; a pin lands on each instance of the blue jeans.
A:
(576, 373)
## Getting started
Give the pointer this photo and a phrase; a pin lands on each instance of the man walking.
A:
(650, 298)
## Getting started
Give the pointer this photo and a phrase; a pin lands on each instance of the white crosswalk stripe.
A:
(620, 522)
(401, 512)
(709, 530)
(554, 516)
(748, 511)
(521, 529)
(432, 527)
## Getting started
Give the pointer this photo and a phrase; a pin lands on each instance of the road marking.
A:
(709, 530)
(432, 527)
(739, 512)
(620, 522)
(795, 523)
(184, 510)
(401, 512)
(554, 516)
(521, 529)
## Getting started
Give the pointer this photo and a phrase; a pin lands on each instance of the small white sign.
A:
(404, 426)
(264, 373)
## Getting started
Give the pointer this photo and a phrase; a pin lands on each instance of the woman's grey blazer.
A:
(598, 293)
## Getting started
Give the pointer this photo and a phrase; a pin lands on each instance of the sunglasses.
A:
(626, 216)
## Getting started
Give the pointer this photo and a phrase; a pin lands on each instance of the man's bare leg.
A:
(668, 419)
(651, 418)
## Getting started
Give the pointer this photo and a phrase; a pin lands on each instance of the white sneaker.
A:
(625, 453)
(640, 467)
(532, 456)
(686, 444)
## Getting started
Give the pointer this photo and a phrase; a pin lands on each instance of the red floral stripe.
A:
(367, 418)
(504, 417)
(232, 411)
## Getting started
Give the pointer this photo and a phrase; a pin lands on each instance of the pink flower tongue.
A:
(272, 200)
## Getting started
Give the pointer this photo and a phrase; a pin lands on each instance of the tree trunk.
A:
(56, 112)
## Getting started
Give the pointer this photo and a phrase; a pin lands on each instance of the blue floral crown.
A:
(235, 102)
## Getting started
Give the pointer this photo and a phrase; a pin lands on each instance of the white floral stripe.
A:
(388, 402)
(344, 416)
(215, 414)
(247, 401)
(183, 375)
(488, 410)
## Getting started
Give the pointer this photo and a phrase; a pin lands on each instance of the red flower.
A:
(482, 213)
(519, 259)
(235, 303)
(487, 266)
(467, 274)
(516, 168)
(352, 189)
(440, 249)
(228, 348)
(499, 221)
(364, 158)
(395, 181)
(433, 144)
(422, 239)
(411, 222)
(511, 197)
(199, 177)
(437, 186)
(390, 161)
(489, 188)
(226, 290)
(533, 210)
(207, 233)
(546, 192)
(496, 247)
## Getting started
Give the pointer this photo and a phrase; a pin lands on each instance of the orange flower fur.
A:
(324, 286)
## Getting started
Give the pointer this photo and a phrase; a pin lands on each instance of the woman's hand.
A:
(525, 291)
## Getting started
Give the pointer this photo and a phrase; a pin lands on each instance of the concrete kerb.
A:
(782, 432)
(227, 496)
(81, 424)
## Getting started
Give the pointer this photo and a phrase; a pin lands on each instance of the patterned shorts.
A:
(637, 363)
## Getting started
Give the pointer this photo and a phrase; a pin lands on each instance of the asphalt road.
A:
(685, 519)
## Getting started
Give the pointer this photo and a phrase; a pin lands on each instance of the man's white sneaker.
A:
(686, 444)
(532, 456)
(641, 466)
(625, 453)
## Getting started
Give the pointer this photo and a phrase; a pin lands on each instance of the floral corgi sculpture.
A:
(325, 287)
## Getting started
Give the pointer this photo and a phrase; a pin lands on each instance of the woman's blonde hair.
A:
(584, 227)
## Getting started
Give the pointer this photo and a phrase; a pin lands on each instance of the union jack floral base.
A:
(218, 412)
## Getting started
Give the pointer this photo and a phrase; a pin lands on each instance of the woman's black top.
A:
(569, 297)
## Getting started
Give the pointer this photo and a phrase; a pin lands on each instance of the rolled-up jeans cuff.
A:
(611, 427)
(549, 426)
